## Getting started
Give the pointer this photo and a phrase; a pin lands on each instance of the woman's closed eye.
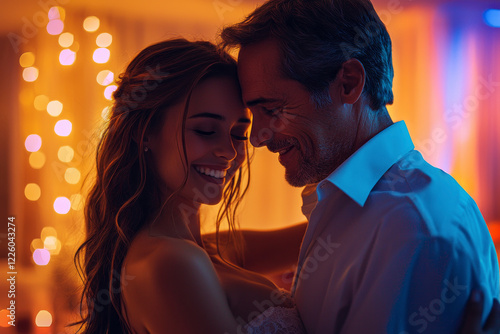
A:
(210, 133)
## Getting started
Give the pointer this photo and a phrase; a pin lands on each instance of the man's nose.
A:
(261, 132)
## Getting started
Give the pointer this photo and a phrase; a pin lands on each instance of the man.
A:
(393, 245)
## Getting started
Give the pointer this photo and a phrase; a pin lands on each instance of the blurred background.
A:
(59, 60)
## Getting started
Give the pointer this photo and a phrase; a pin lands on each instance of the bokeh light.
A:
(63, 128)
(41, 102)
(101, 55)
(104, 40)
(66, 39)
(106, 113)
(67, 57)
(91, 24)
(108, 91)
(492, 18)
(55, 27)
(43, 319)
(37, 160)
(62, 205)
(32, 191)
(27, 59)
(35, 244)
(105, 77)
(30, 74)
(72, 175)
(57, 13)
(41, 256)
(49, 243)
(76, 202)
(33, 143)
(48, 231)
(65, 153)
(54, 108)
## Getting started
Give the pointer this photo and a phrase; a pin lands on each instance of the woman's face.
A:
(216, 133)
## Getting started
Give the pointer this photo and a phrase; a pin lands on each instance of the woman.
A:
(177, 139)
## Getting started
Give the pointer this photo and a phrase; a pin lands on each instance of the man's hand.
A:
(472, 319)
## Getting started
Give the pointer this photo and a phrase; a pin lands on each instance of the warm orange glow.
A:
(4, 321)
(30, 74)
(32, 191)
(37, 160)
(55, 27)
(62, 205)
(63, 128)
(65, 153)
(91, 24)
(27, 59)
(67, 57)
(101, 55)
(108, 91)
(35, 244)
(33, 143)
(41, 256)
(104, 40)
(105, 77)
(43, 318)
(54, 108)
(41, 102)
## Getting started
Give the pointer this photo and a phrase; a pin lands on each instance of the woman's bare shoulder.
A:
(171, 274)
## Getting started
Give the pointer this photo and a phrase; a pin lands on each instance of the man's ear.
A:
(350, 81)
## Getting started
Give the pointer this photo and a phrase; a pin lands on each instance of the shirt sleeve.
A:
(414, 281)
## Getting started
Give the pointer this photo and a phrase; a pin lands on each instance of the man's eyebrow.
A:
(259, 101)
(217, 117)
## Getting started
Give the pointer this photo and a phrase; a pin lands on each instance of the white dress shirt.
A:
(393, 245)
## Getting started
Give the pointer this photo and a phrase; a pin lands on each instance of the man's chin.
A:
(296, 179)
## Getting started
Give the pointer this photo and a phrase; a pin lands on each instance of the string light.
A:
(66, 39)
(65, 153)
(41, 256)
(72, 175)
(101, 55)
(56, 13)
(33, 143)
(105, 77)
(32, 191)
(55, 27)
(67, 57)
(30, 74)
(27, 59)
(108, 91)
(54, 108)
(104, 40)
(62, 205)
(48, 231)
(63, 128)
(43, 319)
(37, 160)
(91, 24)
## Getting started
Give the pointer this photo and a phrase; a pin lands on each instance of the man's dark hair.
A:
(316, 37)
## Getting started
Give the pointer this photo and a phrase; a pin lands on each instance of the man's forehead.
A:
(258, 67)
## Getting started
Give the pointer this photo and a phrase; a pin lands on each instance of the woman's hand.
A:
(472, 319)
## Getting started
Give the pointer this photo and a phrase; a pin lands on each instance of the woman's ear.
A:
(350, 81)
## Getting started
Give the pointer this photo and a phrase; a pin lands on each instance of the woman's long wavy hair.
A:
(125, 194)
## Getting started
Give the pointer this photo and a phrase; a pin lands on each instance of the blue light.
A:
(492, 17)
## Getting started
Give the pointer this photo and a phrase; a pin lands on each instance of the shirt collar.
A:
(357, 176)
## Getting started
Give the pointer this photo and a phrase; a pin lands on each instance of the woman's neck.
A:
(178, 219)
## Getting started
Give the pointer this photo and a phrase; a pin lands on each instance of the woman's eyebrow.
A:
(217, 117)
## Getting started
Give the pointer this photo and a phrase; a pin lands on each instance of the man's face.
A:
(311, 142)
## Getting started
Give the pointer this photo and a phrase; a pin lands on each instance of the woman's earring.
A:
(146, 149)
